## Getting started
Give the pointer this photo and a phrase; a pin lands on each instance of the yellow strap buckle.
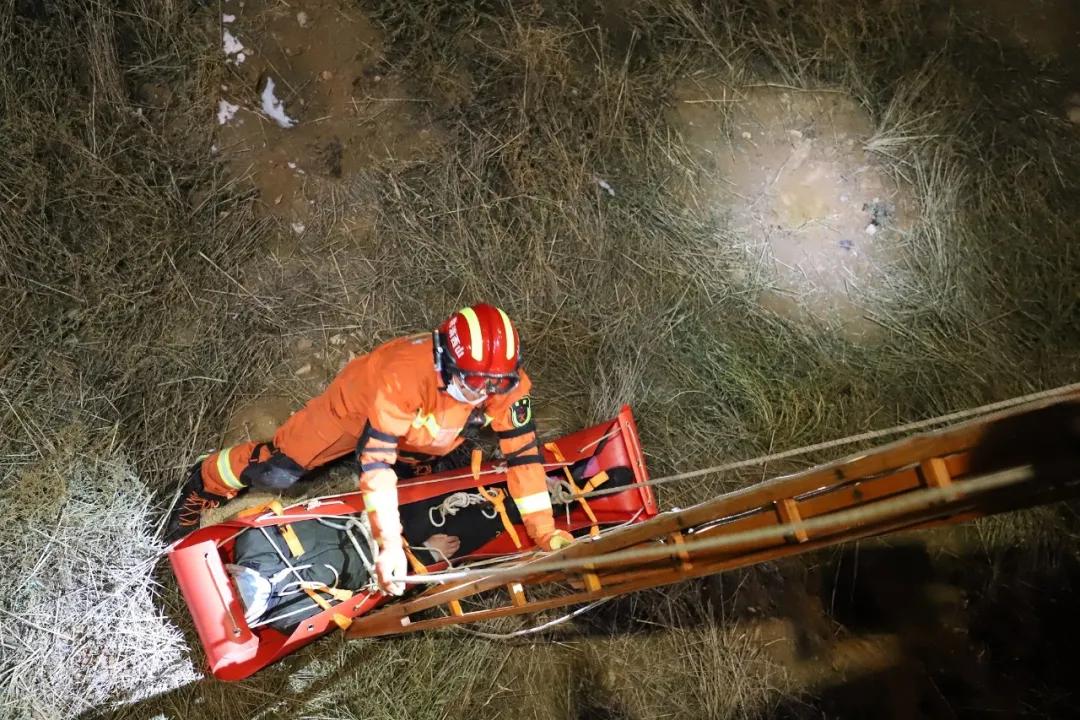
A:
(340, 620)
(495, 496)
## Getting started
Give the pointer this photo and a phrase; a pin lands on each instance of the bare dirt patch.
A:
(313, 101)
(818, 221)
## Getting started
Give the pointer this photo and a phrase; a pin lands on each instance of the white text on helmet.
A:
(455, 341)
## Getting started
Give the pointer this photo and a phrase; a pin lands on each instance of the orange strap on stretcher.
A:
(287, 533)
(495, 496)
(579, 493)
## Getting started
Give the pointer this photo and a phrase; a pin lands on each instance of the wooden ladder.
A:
(1038, 443)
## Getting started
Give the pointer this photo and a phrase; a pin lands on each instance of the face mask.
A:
(454, 390)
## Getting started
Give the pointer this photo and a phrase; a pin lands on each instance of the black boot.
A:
(193, 501)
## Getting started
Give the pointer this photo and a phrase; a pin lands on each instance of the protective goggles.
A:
(490, 383)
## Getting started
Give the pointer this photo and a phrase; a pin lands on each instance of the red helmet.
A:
(480, 345)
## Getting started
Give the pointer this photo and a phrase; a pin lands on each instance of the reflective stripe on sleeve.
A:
(371, 502)
(426, 421)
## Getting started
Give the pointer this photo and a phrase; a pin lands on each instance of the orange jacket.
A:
(390, 399)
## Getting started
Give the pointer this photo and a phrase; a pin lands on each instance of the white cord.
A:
(459, 501)
(537, 628)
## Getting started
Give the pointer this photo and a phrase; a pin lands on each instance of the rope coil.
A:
(459, 501)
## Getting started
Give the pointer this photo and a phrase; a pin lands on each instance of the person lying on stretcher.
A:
(283, 580)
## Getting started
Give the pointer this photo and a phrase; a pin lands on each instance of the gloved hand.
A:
(555, 540)
(390, 566)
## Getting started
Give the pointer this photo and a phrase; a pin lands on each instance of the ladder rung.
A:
(592, 582)
(517, 594)
(788, 510)
(680, 552)
(935, 472)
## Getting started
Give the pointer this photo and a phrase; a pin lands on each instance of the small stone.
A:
(796, 133)
(304, 369)
(338, 339)
(302, 19)
(872, 229)
(746, 135)
(326, 75)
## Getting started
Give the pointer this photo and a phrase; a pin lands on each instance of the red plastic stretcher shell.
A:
(235, 651)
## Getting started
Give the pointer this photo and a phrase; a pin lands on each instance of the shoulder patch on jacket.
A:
(521, 412)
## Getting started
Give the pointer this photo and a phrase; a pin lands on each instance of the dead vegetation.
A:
(147, 296)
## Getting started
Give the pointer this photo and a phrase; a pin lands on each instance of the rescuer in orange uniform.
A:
(410, 397)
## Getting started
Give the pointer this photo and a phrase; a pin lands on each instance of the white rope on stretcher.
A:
(561, 493)
(367, 558)
(352, 523)
(300, 586)
(459, 501)
(302, 583)
(281, 555)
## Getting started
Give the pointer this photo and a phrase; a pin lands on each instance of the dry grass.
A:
(143, 306)
(79, 622)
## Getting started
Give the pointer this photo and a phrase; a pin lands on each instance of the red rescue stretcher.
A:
(235, 651)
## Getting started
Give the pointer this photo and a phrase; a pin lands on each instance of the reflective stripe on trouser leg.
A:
(537, 502)
(221, 471)
(535, 510)
(225, 470)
